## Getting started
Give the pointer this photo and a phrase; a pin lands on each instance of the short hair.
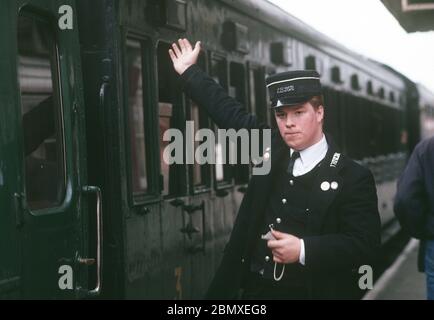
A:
(317, 101)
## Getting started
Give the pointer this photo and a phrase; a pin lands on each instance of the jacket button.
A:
(267, 258)
(242, 260)
(278, 220)
(291, 182)
(307, 210)
(283, 200)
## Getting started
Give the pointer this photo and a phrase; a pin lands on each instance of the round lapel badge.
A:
(325, 186)
(334, 185)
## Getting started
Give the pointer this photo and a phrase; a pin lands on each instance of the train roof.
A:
(276, 17)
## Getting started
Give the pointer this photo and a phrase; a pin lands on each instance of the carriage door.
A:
(52, 196)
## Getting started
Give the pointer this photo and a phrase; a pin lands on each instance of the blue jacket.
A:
(414, 202)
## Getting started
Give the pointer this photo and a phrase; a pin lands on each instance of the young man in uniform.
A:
(304, 229)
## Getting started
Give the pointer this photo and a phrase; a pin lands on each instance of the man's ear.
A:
(320, 113)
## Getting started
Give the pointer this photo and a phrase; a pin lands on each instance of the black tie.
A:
(295, 155)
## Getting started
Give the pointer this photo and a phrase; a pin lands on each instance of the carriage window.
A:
(219, 73)
(136, 119)
(369, 88)
(257, 94)
(170, 111)
(41, 113)
(355, 85)
(392, 96)
(238, 91)
(201, 173)
(381, 93)
(336, 75)
(310, 63)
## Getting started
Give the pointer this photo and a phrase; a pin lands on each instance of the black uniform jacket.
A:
(343, 227)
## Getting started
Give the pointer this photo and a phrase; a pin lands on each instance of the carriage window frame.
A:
(255, 72)
(241, 172)
(261, 91)
(152, 192)
(57, 91)
(206, 169)
(227, 182)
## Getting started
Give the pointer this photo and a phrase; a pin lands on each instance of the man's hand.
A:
(286, 247)
(184, 56)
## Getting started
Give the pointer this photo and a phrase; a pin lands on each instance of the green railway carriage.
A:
(87, 205)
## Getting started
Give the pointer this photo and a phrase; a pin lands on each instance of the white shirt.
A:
(308, 159)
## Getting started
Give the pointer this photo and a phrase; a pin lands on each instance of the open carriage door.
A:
(53, 201)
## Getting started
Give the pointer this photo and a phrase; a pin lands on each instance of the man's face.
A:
(300, 126)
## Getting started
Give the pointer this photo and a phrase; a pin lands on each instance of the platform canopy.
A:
(413, 15)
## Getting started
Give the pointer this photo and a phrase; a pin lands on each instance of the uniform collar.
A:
(314, 152)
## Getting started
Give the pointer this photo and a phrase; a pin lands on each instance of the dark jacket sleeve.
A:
(359, 236)
(412, 202)
(224, 110)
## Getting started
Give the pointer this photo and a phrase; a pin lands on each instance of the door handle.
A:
(99, 231)
(19, 204)
(190, 229)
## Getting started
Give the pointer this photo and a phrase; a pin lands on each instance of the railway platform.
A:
(402, 280)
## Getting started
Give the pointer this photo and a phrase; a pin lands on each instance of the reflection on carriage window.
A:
(198, 178)
(165, 116)
(136, 117)
(41, 113)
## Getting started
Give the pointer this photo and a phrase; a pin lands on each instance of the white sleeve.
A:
(302, 255)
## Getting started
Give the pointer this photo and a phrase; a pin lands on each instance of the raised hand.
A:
(184, 56)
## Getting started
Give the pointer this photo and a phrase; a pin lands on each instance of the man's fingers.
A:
(187, 44)
(176, 50)
(197, 47)
(272, 244)
(278, 260)
(172, 55)
(276, 254)
(182, 45)
(279, 235)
